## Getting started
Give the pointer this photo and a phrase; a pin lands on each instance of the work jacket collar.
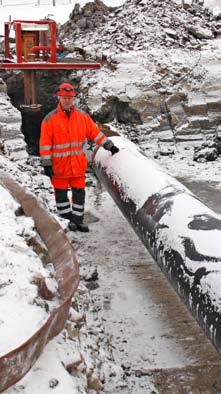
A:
(66, 112)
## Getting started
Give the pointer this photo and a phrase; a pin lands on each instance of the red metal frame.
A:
(18, 42)
(36, 49)
(49, 46)
(48, 65)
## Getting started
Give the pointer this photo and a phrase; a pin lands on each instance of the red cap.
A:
(66, 89)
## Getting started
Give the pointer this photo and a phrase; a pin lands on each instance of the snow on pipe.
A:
(15, 364)
(180, 232)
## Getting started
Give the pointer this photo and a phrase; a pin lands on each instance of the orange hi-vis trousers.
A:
(65, 183)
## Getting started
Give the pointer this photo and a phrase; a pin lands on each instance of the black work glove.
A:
(48, 171)
(114, 150)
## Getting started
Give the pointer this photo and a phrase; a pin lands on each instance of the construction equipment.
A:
(36, 49)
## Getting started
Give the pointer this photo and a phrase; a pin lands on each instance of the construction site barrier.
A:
(181, 233)
(15, 364)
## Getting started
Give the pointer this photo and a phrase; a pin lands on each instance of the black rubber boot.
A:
(82, 227)
(72, 226)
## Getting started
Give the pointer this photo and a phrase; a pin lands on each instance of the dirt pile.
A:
(139, 24)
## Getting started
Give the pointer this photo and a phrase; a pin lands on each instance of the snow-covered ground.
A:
(20, 267)
(49, 373)
(212, 3)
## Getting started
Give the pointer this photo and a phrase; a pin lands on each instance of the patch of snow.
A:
(20, 313)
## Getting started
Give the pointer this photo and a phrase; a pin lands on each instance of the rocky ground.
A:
(149, 24)
(160, 64)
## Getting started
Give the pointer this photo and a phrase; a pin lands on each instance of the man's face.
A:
(66, 102)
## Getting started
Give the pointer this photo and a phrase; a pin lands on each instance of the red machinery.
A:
(36, 49)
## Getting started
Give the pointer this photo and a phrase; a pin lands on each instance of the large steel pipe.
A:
(181, 233)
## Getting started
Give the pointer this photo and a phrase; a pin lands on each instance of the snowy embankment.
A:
(22, 311)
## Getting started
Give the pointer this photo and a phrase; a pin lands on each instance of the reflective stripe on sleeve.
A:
(45, 147)
(105, 140)
(99, 136)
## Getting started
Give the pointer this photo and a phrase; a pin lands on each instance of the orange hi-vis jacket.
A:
(62, 139)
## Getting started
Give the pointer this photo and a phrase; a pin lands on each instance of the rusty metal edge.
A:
(15, 364)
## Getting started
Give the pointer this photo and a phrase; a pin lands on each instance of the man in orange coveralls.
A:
(63, 134)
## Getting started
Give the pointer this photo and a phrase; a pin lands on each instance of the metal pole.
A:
(27, 87)
(33, 87)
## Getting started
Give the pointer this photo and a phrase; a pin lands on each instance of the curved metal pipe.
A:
(181, 233)
(15, 364)
(37, 48)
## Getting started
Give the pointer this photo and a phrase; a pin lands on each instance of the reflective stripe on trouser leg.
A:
(78, 199)
(63, 203)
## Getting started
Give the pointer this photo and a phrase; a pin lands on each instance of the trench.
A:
(46, 85)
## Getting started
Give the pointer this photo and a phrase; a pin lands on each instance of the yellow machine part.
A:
(29, 40)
